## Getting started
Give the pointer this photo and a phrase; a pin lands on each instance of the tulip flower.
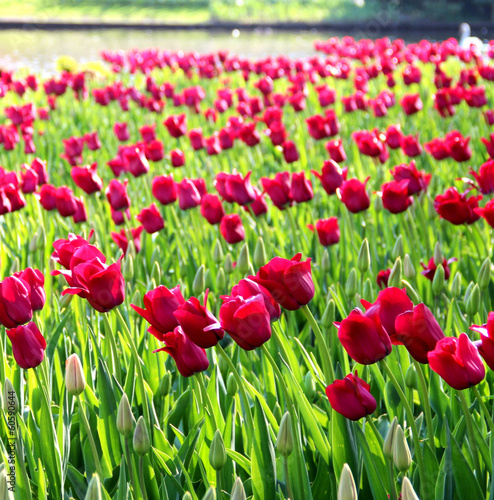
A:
(486, 343)
(395, 196)
(122, 238)
(135, 161)
(457, 361)
(28, 345)
(121, 131)
(151, 219)
(328, 231)
(177, 158)
(351, 397)
(279, 189)
(331, 176)
(188, 195)
(290, 152)
(383, 278)
(301, 188)
(417, 180)
(164, 189)
(485, 177)
(35, 281)
(246, 288)
(457, 146)
(430, 270)
(87, 178)
(457, 208)
(486, 212)
(212, 209)
(335, 150)
(354, 195)
(116, 194)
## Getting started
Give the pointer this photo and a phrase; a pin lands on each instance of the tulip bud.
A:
(456, 285)
(260, 257)
(438, 280)
(136, 298)
(220, 280)
(408, 268)
(243, 260)
(438, 255)
(351, 284)
(238, 491)
(485, 274)
(228, 264)
(66, 300)
(347, 489)
(217, 252)
(277, 412)
(407, 491)
(125, 418)
(364, 259)
(411, 292)
(93, 491)
(217, 452)
(398, 250)
(155, 273)
(10, 400)
(327, 319)
(368, 288)
(231, 385)
(284, 441)
(128, 267)
(208, 281)
(389, 439)
(141, 442)
(92, 238)
(131, 248)
(5, 492)
(199, 284)
(411, 377)
(165, 385)
(155, 256)
(473, 302)
(395, 277)
(401, 453)
(210, 494)
(75, 382)
(187, 496)
(310, 387)
(52, 265)
(325, 263)
(33, 244)
(378, 203)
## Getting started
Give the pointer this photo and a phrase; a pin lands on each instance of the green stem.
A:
(424, 399)
(130, 466)
(286, 473)
(92, 444)
(376, 432)
(141, 479)
(205, 398)
(484, 408)
(325, 354)
(415, 435)
(238, 379)
(219, 494)
(392, 483)
(470, 431)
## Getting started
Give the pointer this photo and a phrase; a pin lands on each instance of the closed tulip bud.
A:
(364, 259)
(401, 452)
(131, 248)
(136, 298)
(325, 263)
(378, 203)
(485, 274)
(125, 418)
(310, 387)
(243, 261)
(155, 256)
(128, 267)
(277, 412)
(468, 292)
(238, 490)
(347, 489)
(10, 400)
(408, 268)
(217, 252)
(165, 385)
(260, 257)
(351, 284)
(231, 385)
(438, 281)
(94, 489)
(284, 441)
(473, 302)
(398, 250)
(217, 452)
(187, 496)
(65, 301)
(5, 491)
(75, 382)
(220, 280)
(411, 377)
(438, 255)
(456, 285)
(411, 292)
(328, 317)
(407, 491)
(155, 273)
(33, 244)
(141, 442)
(52, 265)
(199, 284)
(208, 280)
(389, 439)
(228, 264)
(368, 290)
(210, 494)
(92, 237)
(395, 277)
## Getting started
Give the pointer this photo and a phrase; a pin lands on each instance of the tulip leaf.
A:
(244, 462)
(343, 444)
(55, 336)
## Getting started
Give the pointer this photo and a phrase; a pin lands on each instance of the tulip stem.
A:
(130, 465)
(425, 401)
(205, 398)
(286, 473)
(470, 431)
(224, 355)
(325, 354)
(426, 494)
(392, 483)
(219, 494)
(141, 479)
(293, 226)
(92, 444)
(484, 408)
(376, 432)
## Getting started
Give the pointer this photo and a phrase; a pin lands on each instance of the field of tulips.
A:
(231, 278)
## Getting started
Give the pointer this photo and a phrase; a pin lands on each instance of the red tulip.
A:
(65, 201)
(351, 397)
(327, 230)
(121, 131)
(151, 219)
(122, 238)
(258, 206)
(437, 148)
(457, 361)
(212, 209)
(176, 125)
(278, 189)
(393, 136)
(15, 302)
(177, 158)
(485, 177)
(188, 356)
(411, 103)
(489, 145)
(410, 145)
(164, 189)
(116, 194)
(87, 178)
(235, 187)
(457, 208)
(417, 180)
(290, 152)
(135, 161)
(331, 176)
(39, 166)
(29, 179)
(354, 195)
(301, 188)
(289, 281)
(196, 139)
(148, 133)
(28, 345)
(369, 143)
(247, 288)
(92, 141)
(154, 150)
(458, 147)
(64, 249)
(232, 229)
(213, 146)
(188, 195)
(395, 196)
(383, 278)
(335, 150)
(36, 281)
(486, 343)
(430, 270)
